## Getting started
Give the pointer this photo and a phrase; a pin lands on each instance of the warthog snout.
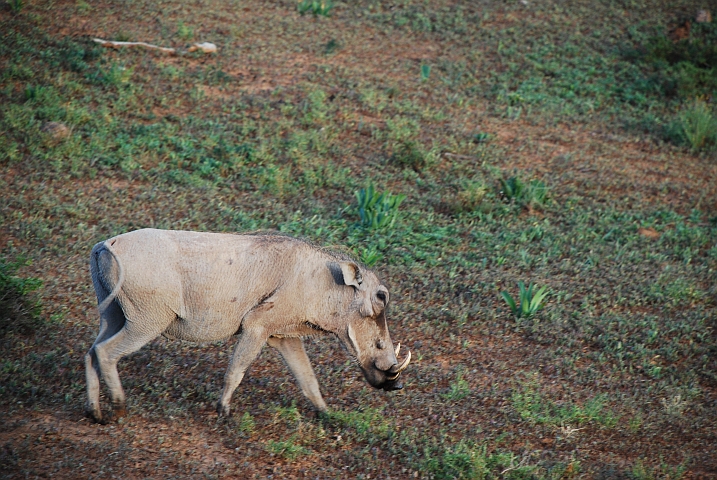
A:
(388, 379)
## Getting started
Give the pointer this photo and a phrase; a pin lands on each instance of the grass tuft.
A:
(19, 309)
(699, 125)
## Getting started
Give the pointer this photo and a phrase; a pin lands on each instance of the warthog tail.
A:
(115, 291)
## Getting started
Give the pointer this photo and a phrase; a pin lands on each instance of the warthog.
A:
(263, 288)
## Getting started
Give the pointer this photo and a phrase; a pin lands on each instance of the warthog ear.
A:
(382, 295)
(351, 274)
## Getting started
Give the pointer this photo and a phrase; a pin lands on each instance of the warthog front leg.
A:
(292, 349)
(247, 349)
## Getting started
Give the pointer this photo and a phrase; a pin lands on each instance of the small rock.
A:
(55, 131)
(649, 233)
(703, 16)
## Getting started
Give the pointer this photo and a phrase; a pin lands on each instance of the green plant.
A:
(698, 124)
(459, 461)
(529, 302)
(464, 460)
(535, 192)
(535, 407)
(83, 7)
(316, 7)
(16, 5)
(315, 109)
(471, 196)
(184, 32)
(481, 137)
(410, 154)
(370, 256)
(117, 74)
(365, 423)
(425, 72)
(377, 210)
(331, 46)
(34, 92)
(19, 311)
(512, 188)
(246, 423)
(290, 414)
(458, 389)
(288, 448)
(123, 36)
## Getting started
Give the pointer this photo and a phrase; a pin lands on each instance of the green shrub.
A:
(698, 125)
(377, 210)
(529, 302)
(19, 310)
(410, 154)
(316, 7)
(290, 449)
(459, 461)
(459, 389)
(331, 47)
(16, 5)
(470, 197)
(535, 192)
(370, 256)
(364, 424)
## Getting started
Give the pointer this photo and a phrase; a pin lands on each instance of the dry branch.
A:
(112, 44)
(205, 47)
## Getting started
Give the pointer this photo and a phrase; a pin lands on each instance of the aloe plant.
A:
(378, 210)
(316, 7)
(529, 301)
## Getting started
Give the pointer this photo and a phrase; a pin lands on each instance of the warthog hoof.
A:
(94, 413)
(223, 410)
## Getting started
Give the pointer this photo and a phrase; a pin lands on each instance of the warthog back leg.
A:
(292, 349)
(246, 350)
(111, 321)
(127, 340)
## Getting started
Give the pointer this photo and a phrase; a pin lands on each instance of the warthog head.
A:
(366, 334)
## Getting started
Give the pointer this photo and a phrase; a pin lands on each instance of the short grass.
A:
(568, 146)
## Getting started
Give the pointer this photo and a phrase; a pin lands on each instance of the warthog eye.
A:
(380, 345)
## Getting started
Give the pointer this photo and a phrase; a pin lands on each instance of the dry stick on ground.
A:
(111, 44)
(205, 47)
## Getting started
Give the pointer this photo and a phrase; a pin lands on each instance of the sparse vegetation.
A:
(19, 309)
(16, 5)
(529, 302)
(535, 192)
(316, 7)
(378, 209)
(288, 448)
(699, 125)
(456, 147)
(471, 195)
(409, 154)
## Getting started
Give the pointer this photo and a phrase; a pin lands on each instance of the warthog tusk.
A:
(398, 347)
(391, 379)
(397, 369)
